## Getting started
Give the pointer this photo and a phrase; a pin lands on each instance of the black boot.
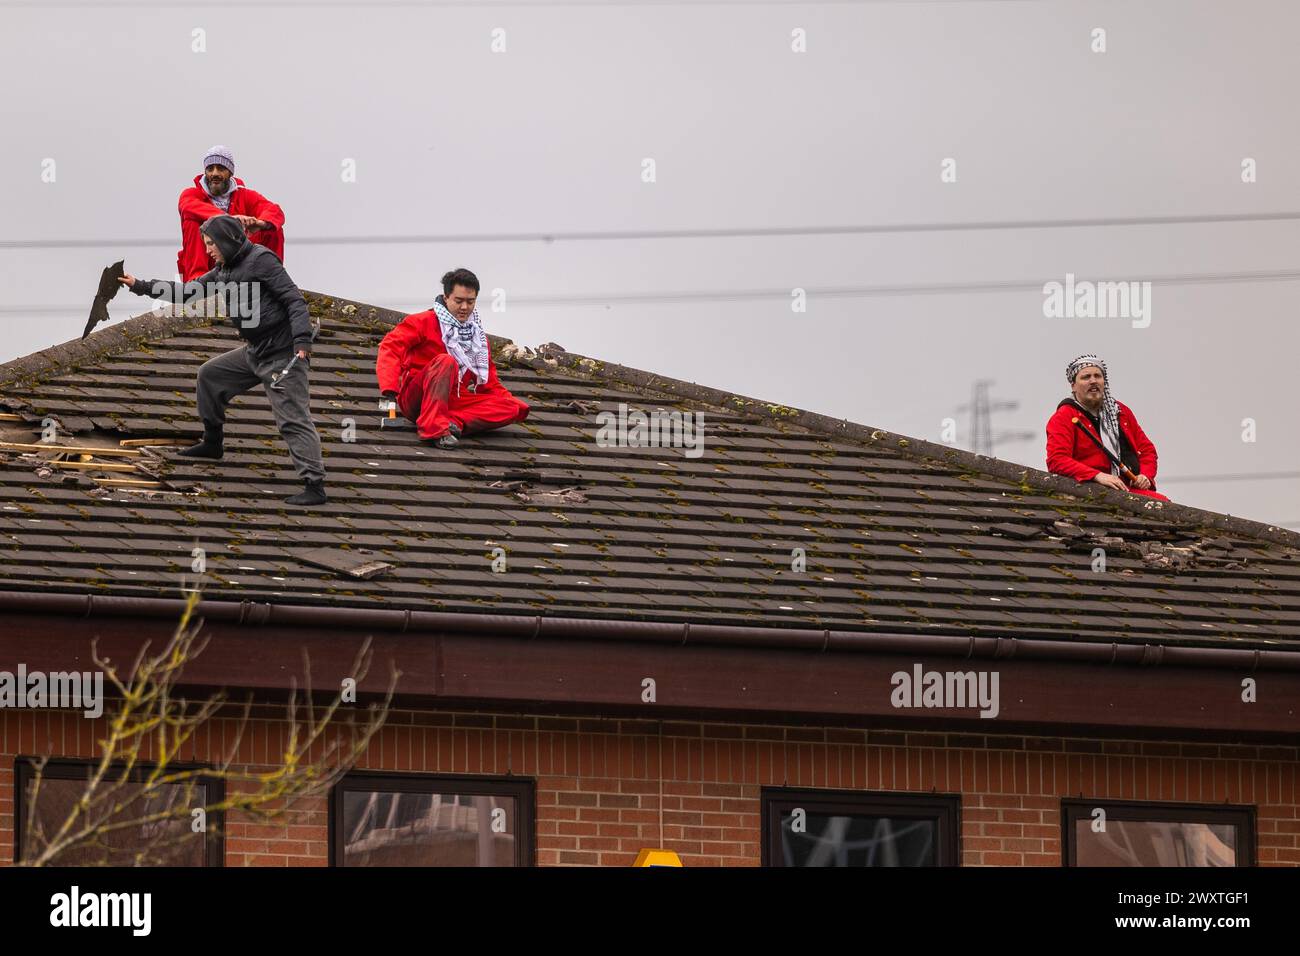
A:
(313, 494)
(212, 445)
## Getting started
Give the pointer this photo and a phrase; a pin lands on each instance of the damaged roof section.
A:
(77, 453)
(1163, 548)
(788, 518)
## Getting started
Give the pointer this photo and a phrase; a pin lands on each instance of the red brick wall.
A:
(601, 795)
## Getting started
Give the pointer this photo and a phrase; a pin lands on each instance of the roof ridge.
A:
(124, 336)
(1027, 477)
(160, 323)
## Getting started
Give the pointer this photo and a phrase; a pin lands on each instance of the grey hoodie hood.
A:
(228, 234)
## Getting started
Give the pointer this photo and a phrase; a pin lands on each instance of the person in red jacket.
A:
(438, 367)
(1079, 450)
(217, 192)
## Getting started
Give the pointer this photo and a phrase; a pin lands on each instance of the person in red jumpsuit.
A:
(438, 367)
(1076, 450)
(217, 192)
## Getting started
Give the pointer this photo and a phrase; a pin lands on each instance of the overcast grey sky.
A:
(547, 138)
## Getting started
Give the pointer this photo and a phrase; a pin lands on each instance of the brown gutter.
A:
(251, 614)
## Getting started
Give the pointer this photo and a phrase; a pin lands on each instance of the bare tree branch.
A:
(150, 726)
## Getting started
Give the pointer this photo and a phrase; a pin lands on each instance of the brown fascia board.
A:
(527, 664)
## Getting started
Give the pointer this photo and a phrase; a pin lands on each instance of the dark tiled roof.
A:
(900, 535)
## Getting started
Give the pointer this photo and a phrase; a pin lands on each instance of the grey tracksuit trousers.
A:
(238, 371)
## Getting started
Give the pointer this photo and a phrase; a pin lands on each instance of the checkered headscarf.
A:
(1109, 408)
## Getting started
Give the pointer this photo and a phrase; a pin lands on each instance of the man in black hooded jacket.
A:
(271, 315)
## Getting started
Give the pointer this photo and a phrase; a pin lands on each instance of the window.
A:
(1156, 834)
(392, 820)
(849, 828)
(168, 842)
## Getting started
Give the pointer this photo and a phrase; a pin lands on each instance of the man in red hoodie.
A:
(217, 192)
(1092, 437)
(438, 367)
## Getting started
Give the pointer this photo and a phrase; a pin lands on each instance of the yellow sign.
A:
(649, 857)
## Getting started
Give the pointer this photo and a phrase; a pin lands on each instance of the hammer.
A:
(277, 383)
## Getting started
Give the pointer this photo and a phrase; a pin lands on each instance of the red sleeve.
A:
(194, 204)
(405, 336)
(1145, 448)
(1060, 447)
(262, 208)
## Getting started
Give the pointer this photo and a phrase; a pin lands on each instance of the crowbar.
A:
(1124, 469)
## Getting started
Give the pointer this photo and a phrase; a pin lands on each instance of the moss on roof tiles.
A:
(896, 464)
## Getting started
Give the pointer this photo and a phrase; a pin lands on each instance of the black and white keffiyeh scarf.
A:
(466, 341)
(222, 202)
(1109, 412)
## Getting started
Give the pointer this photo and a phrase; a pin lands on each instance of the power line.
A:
(830, 292)
(344, 4)
(734, 233)
(982, 407)
(1240, 476)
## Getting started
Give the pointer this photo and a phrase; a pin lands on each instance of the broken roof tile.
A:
(896, 534)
